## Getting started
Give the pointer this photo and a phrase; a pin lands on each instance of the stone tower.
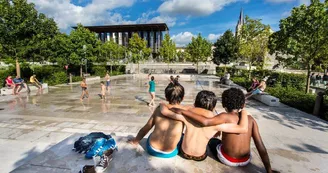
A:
(240, 23)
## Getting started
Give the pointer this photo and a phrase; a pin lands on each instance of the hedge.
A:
(290, 96)
(278, 79)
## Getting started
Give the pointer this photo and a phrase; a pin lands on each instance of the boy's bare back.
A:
(237, 145)
(196, 137)
(167, 132)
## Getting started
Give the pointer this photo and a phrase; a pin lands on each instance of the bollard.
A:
(70, 78)
(318, 104)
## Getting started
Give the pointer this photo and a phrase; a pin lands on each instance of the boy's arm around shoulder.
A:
(235, 128)
(165, 111)
(201, 120)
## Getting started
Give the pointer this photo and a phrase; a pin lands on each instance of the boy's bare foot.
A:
(133, 142)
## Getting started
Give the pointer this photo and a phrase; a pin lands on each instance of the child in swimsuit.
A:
(163, 141)
(84, 87)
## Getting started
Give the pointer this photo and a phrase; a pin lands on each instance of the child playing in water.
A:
(84, 87)
(103, 91)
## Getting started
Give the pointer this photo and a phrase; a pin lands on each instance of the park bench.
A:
(267, 99)
(8, 91)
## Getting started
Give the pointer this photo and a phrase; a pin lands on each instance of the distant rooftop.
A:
(128, 28)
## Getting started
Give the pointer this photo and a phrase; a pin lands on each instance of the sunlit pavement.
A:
(35, 127)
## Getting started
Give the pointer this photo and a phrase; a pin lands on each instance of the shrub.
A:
(294, 98)
(115, 73)
(99, 71)
(242, 81)
(57, 78)
(76, 78)
(45, 72)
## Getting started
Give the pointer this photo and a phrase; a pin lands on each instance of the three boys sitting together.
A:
(202, 128)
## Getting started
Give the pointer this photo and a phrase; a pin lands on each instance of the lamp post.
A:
(85, 58)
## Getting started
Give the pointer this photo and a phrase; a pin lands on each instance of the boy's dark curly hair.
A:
(206, 100)
(233, 99)
(174, 92)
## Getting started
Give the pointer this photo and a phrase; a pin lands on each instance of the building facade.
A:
(152, 33)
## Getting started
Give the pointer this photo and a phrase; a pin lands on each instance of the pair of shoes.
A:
(104, 160)
(100, 146)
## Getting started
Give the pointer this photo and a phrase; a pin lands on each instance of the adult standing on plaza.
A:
(107, 78)
(318, 79)
(151, 90)
(325, 79)
(312, 79)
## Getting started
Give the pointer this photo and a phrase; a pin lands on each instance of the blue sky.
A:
(185, 18)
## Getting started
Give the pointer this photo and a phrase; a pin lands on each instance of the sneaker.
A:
(88, 169)
(104, 161)
(96, 148)
(109, 144)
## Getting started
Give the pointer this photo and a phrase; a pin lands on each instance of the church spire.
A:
(241, 17)
(240, 22)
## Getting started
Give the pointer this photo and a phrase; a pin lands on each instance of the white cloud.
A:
(280, 1)
(306, 2)
(213, 37)
(193, 7)
(67, 14)
(182, 39)
(146, 18)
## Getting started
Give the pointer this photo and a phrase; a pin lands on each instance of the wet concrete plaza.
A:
(37, 131)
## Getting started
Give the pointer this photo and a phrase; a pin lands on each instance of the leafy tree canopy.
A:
(25, 33)
(168, 49)
(226, 49)
(199, 49)
(138, 49)
(253, 42)
(303, 36)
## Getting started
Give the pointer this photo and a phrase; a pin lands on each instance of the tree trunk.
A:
(111, 69)
(225, 68)
(250, 71)
(197, 68)
(81, 70)
(138, 68)
(18, 72)
(308, 79)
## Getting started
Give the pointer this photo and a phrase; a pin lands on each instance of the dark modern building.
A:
(152, 33)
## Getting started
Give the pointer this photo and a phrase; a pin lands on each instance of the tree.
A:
(199, 49)
(226, 49)
(24, 32)
(303, 37)
(85, 46)
(183, 56)
(61, 50)
(138, 49)
(168, 50)
(253, 42)
(113, 52)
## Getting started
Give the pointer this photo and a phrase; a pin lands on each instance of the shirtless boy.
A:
(234, 149)
(84, 87)
(163, 141)
(195, 137)
(103, 91)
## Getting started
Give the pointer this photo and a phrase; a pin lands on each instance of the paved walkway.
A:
(33, 130)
